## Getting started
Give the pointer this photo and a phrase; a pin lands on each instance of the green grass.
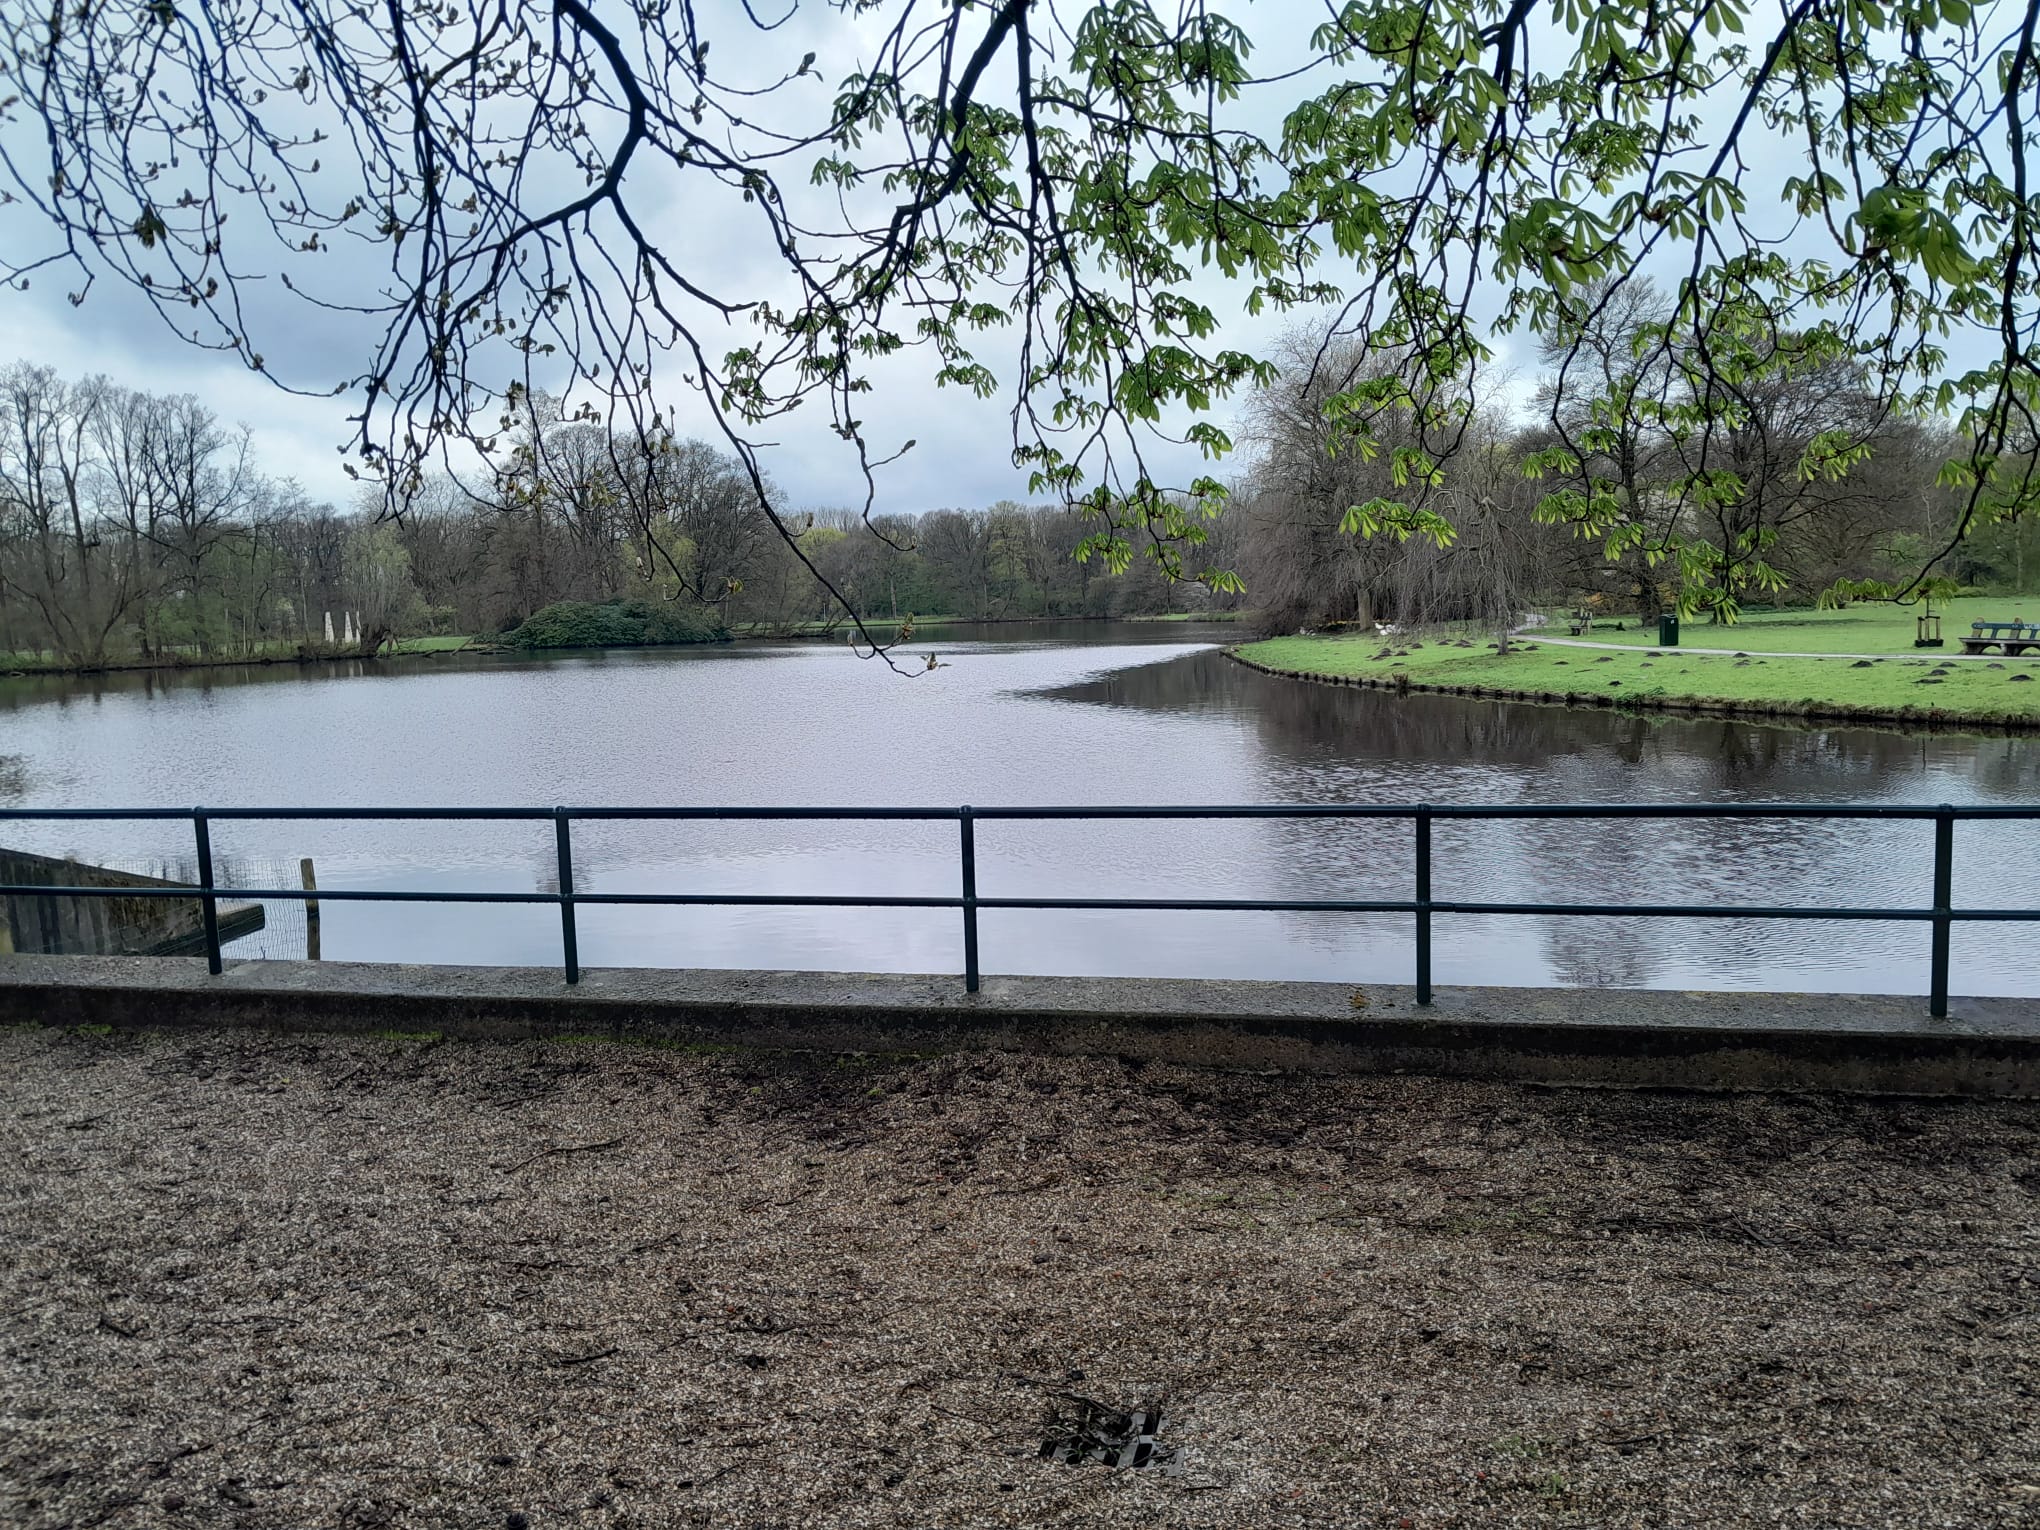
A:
(1872, 629)
(432, 644)
(1890, 687)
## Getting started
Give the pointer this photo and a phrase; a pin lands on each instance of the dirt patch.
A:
(258, 1281)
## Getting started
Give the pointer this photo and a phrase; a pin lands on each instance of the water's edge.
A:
(1927, 720)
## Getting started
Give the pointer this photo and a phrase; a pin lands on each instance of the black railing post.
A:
(1423, 903)
(1944, 903)
(208, 905)
(967, 844)
(570, 944)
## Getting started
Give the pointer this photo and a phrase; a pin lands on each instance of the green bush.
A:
(612, 624)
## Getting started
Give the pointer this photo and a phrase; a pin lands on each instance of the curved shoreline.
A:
(126, 666)
(1930, 719)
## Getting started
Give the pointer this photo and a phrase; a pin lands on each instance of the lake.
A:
(1080, 713)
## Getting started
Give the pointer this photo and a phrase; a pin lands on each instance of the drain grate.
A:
(1087, 1431)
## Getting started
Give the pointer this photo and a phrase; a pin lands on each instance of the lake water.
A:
(1081, 714)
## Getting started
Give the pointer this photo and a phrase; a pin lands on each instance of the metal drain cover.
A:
(1086, 1431)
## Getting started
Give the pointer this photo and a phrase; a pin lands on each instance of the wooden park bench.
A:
(2008, 638)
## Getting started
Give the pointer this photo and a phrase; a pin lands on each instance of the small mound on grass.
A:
(613, 624)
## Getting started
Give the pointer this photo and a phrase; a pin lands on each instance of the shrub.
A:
(613, 624)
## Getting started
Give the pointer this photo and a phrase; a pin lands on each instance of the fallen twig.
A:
(560, 1152)
(600, 1354)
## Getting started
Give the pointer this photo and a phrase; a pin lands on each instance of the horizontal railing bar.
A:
(122, 814)
(1073, 905)
(800, 900)
(1682, 911)
(384, 895)
(881, 814)
(1580, 810)
(487, 814)
(1439, 906)
(290, 894)
(1588, 810)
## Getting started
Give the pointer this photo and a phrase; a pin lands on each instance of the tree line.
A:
(1648, 477)
(136, 526)
(1069, 206)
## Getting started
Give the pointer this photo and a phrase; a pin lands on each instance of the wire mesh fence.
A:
(283, 935)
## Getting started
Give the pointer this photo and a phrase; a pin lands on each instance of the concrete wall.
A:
(57, 926)
(1855, 1043)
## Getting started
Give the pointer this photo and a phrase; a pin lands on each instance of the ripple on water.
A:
(1108, 715)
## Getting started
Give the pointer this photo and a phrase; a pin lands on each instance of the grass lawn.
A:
(1874, 628)
(1902, 686)
(432, 644)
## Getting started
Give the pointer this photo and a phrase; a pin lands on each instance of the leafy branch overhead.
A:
(1080, 209)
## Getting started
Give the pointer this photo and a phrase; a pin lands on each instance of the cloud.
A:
(117, 334)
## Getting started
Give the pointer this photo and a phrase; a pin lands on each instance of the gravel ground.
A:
(267, 1281)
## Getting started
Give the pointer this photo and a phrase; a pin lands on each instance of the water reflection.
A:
(1100, 714)
(1327, 744)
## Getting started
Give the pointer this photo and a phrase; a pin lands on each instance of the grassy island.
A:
(1870, 671)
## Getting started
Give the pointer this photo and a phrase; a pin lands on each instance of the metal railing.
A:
(1424, 907)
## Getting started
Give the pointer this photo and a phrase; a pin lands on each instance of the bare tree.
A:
(52, 551)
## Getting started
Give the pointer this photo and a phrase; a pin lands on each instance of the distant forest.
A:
(139, 527)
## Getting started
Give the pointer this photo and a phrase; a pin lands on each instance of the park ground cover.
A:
(1907, 685)
(1873, 628)
(274, 1281)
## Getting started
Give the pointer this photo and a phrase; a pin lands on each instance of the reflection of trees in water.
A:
(63, 690)
(1306, 725)
(1328, 744)
(2005, 767)
(1601, 953)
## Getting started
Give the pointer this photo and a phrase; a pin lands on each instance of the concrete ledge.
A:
(52, 925)
(1873, 1044)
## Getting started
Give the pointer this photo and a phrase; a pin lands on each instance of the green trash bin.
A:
(1668, 632)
